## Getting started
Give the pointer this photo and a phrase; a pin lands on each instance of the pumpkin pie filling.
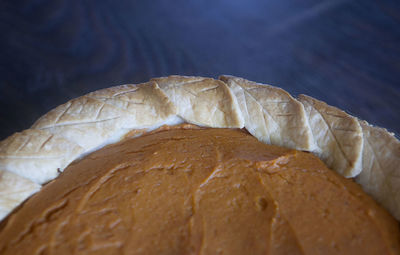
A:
(190, 190)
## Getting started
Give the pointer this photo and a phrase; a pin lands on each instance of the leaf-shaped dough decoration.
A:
(337, 134)
(14, 189)
(254, 120)
(92, 120)
(37, 154)
(202, 101)
(271, 114)
(138, 99)
(84, 120)
(380, 176)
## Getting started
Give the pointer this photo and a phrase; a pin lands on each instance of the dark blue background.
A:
(346, 53)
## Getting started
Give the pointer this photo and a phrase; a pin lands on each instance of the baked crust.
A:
(381, 160)
(14, 189)
(272, 115)
(92, 119)
(337, 134)
(37, 154)
(70, 131)
(202, 101)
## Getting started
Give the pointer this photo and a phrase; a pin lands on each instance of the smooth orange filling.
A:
(205, 191)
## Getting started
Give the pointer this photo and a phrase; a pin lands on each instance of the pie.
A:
(182, 165)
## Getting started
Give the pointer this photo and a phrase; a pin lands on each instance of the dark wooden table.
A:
(346, 53)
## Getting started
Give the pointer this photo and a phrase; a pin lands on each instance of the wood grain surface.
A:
(344, 52)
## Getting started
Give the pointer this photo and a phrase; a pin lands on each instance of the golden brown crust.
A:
(89, 122)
